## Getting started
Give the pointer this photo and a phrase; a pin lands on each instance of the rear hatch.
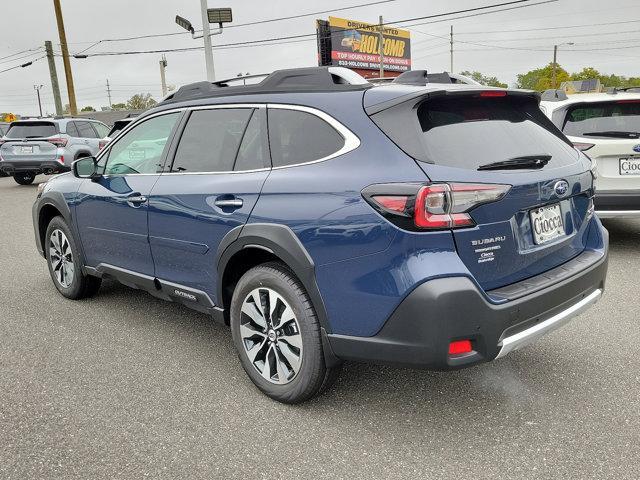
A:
(464, 137)
(29, 142)
(609, 132)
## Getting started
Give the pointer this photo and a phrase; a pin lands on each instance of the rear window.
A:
(32, 130)
(469, 131)
(593, 118)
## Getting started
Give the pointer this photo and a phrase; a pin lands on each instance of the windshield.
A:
(467, 132)
(32, 130)
(603, 119)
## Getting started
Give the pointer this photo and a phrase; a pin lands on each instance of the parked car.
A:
(117, 127)
(31, 147)
(606, 126)
(3, 130)
(325, 219)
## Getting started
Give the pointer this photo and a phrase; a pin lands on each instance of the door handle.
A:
(229, 203)
(137, 200)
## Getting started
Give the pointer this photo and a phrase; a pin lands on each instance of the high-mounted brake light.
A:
(58, 142)
(636, 100)
(493, 93)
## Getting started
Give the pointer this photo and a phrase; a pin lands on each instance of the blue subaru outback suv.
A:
(324, 219)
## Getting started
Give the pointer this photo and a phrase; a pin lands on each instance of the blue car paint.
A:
(365, 266)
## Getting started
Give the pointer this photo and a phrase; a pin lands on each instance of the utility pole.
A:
(37, 89)
(451, 49)
(109, 92)
(163, 80)
(55, 86)
(206, 35)
(553, 74)
(381, 42)
(73, 108)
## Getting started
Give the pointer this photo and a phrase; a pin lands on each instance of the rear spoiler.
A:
(471, 91)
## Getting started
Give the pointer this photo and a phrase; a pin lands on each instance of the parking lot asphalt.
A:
(127, 386)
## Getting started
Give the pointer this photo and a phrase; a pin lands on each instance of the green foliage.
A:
(119, 106)
(88, 108)
(484, 80)
(141, 101)
(542, 78)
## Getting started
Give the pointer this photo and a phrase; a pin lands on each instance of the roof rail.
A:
(421, 78)
(554, 95)
(309, 79)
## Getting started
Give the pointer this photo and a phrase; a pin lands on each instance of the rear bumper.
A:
(37, 167)
(617, 204)
(443, 310)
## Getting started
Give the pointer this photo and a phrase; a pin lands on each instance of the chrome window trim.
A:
(351, 140)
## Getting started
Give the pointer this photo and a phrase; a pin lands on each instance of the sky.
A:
(606, 35)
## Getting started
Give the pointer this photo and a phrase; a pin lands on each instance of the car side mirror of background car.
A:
(85, 167)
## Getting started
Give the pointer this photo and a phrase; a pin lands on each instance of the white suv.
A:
(606, 126)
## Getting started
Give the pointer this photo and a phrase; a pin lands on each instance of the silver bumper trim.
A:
(618, 213)
(532, 334)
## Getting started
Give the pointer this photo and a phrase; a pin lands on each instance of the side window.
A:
(299, 137)
(102, 130)
(72, 130)
(141, 149)
(85, 130)
(253, 152)
(210, 140)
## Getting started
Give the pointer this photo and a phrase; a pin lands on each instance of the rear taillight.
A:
(61, 159)
(434, 206)
(58, 142)
(102, 144)
(583, 147)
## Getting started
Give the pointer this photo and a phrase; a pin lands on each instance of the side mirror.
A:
(85, 167)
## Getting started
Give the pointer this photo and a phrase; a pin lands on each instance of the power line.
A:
(35, 49)
(257, 22)
(562, 27)
(23, 65)
(314, 35)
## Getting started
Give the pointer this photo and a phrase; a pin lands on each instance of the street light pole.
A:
(555, 64)
(37, 89)
(206, 35)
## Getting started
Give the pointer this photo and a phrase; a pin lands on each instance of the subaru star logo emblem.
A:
(636, 148)
(561, 188)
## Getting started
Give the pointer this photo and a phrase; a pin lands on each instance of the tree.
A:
(141, 101)
(542, 78)
(88, 108)
(480, 78)
(119, 106)
(612, 80)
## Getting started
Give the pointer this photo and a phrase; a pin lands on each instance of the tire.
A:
(24, 178)
(292, 336)
(64, 263)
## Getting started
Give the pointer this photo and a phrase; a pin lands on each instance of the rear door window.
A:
(299, 137)
(72, 130)
(210, 140)
(32, 130)
(85, 130)
(603, 119)
(254, 152)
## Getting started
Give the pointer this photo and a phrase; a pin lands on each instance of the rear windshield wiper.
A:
(526, 161)
(613, 133)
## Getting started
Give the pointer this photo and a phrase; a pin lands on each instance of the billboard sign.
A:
(356, 45)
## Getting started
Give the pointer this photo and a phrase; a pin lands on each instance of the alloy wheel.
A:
(61, 258)
(270, 335)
